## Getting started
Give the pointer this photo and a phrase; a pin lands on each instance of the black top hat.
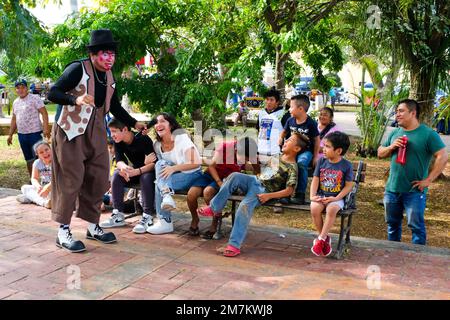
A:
(102, 38)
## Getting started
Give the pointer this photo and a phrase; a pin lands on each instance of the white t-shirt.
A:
(270, 128)
(178, 154)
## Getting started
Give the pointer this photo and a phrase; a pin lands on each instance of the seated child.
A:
(134, 148)
(229, 157)
(278, 181)
(41, 176)
(332, 181)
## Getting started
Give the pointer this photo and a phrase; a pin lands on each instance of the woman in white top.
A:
(179, 165)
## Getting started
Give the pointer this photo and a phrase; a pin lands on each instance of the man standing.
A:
(408, 183)
(26, 110)
(85, 92)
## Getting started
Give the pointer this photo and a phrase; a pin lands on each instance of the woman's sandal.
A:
(231, 251)
(194, 231)
(207, 212)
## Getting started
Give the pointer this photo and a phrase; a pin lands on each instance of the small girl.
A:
(41, 177)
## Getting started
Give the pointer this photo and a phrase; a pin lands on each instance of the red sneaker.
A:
(317, 248)
(326, 250)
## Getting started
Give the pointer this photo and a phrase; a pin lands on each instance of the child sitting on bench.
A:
(277, 181)
(332, 181)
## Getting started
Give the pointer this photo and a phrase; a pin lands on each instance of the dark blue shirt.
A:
(308, 128)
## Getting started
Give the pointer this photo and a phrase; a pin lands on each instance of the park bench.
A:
(346, 214)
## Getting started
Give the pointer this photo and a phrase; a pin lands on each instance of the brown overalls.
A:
(80, 154)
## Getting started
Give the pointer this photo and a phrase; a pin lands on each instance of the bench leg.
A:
(349, 226)
(137, 206)
(233, 212)
(218, 235)
(340, 246)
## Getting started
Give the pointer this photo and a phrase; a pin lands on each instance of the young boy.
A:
(271, 120)
(332, 181)
(273, 184)
(301, 122)
(133, 148)
(229, 157)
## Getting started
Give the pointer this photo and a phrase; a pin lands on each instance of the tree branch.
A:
(323, 13)
(269, 15)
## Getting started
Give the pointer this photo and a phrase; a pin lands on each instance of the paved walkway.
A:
(176, 266)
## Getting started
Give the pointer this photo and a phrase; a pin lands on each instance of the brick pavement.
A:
(177, 266)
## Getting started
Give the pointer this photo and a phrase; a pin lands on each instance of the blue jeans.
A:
(251, 186)
(303, 161)
(413, 203)
(176, 182)
(27, 141)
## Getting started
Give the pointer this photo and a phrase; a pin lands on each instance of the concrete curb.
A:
(357, 241)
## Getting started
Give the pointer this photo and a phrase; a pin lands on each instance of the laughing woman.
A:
(178, 166)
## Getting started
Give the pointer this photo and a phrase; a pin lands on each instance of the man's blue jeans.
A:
(250, 186)
(413, 203)
(303, 161)
(176, 182)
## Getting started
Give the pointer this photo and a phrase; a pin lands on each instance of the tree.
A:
(420, 32)
(214, 46)
(20, 34)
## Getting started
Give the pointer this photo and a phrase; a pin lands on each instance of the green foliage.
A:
(20, 34)
(443, 111)
(372, 120)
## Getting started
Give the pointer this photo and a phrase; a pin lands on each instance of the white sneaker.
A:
(66, 241)
(22, 199)
(117, 219)
(160, 227)
(142, 226)
(168, 204)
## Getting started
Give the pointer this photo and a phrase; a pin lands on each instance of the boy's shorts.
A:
(27, 141)
(339, 203)
(205, 180)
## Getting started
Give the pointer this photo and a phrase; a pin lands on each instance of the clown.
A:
(85, 93)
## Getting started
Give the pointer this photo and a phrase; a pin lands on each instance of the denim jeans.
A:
(251, 186)
(145, 180)
(413, 203)
(303, 161)
(175, 182)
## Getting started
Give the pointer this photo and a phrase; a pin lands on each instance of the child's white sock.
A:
(320, 238)
(145, 215)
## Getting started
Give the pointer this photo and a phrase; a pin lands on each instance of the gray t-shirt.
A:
(45, 171)
(332, 176)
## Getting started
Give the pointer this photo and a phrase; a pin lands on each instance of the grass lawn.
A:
(51, 108)
(368, 222)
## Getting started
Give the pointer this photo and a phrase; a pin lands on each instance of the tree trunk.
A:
(280, 61)
(422, 92)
